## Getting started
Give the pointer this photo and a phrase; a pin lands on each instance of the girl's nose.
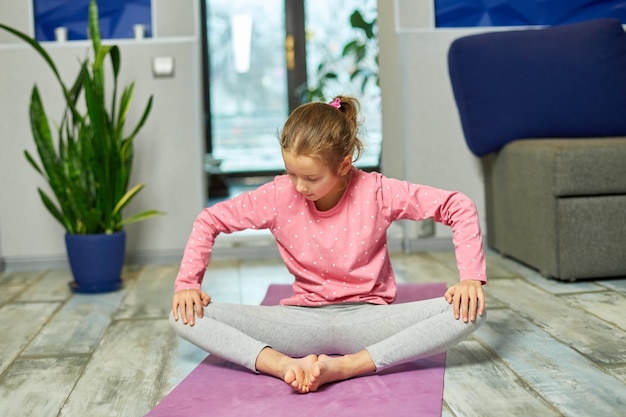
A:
(301, 186)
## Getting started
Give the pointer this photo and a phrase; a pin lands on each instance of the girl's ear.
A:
(345, 165)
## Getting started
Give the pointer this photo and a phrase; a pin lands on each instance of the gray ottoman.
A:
(559, 205)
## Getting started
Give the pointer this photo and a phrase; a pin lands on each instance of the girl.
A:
(330, 220)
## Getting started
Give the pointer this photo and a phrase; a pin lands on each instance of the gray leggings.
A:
(392, 334)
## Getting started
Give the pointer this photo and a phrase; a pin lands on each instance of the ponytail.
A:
(328, 132)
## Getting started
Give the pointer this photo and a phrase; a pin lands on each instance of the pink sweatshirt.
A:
(339, 255)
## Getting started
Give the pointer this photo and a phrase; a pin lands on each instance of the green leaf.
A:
(144, 215)
(364, 84)
(32, 42)
(94, 26)
(116, 63)
(56, 213)
(350, 48)
(101, 54)
(43, 141)
(356, 19)
(33, 163)
(116, 60)
(46, 57)
(89, 166)
(355, 74)
(361, 52)
(143, 119)
(77, 87)
(126, 198)
(125, 101)
(357, 22)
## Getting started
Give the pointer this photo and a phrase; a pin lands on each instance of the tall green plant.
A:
(89, 169)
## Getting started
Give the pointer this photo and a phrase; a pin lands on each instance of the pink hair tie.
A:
(336, 103)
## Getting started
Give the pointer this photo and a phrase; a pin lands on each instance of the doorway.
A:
(264, 58)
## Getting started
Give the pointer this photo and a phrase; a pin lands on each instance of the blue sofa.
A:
(545, 111)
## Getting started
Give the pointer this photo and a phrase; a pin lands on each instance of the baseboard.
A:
(258, 250)
(39, 263)
(60, 262)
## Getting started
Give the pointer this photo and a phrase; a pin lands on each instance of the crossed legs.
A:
(292, 343)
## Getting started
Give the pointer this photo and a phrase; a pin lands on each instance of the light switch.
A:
(163, 66)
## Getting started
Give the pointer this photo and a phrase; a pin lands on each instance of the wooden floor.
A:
(547, 349)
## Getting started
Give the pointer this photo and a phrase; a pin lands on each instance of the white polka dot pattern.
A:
(339, 255)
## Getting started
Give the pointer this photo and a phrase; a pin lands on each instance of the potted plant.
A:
(89, 168)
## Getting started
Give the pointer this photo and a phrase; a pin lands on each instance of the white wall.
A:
(168, 151)
(422, 137)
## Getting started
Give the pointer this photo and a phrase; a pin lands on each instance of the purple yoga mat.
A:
(220, 389)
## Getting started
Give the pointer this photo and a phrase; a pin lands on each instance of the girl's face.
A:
(315, 180)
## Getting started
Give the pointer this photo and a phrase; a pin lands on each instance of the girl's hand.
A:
(468, 297)
(188, 301)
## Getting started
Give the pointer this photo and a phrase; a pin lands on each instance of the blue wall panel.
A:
(117, 18)
(471, 13)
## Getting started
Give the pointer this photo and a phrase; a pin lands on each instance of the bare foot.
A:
(296, 372)
(330, 369)
(311, 372)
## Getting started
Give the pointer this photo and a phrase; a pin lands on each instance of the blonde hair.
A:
(327, 132)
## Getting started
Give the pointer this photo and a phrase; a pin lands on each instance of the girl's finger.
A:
(448, 295)
(190, 313)
(457, 306)
(472, 306)
(481, 305)
(465, 307)
(185, 313)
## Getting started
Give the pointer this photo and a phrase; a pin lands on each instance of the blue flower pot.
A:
(96, 261)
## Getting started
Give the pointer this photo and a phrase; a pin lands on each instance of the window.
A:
(264, 58)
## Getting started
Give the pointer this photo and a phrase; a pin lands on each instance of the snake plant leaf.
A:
(101, 54)
(94, 26)
(32, 42)
(56, 213)
(46, 57)
(45, 147)
(124, 106)
(116, 63)
(141, 122)
(77, 88)
(116, 60)
(89, 168)
(41, 128)
(33, 163)
(144, 215)
(96, 111)
(127, 197)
